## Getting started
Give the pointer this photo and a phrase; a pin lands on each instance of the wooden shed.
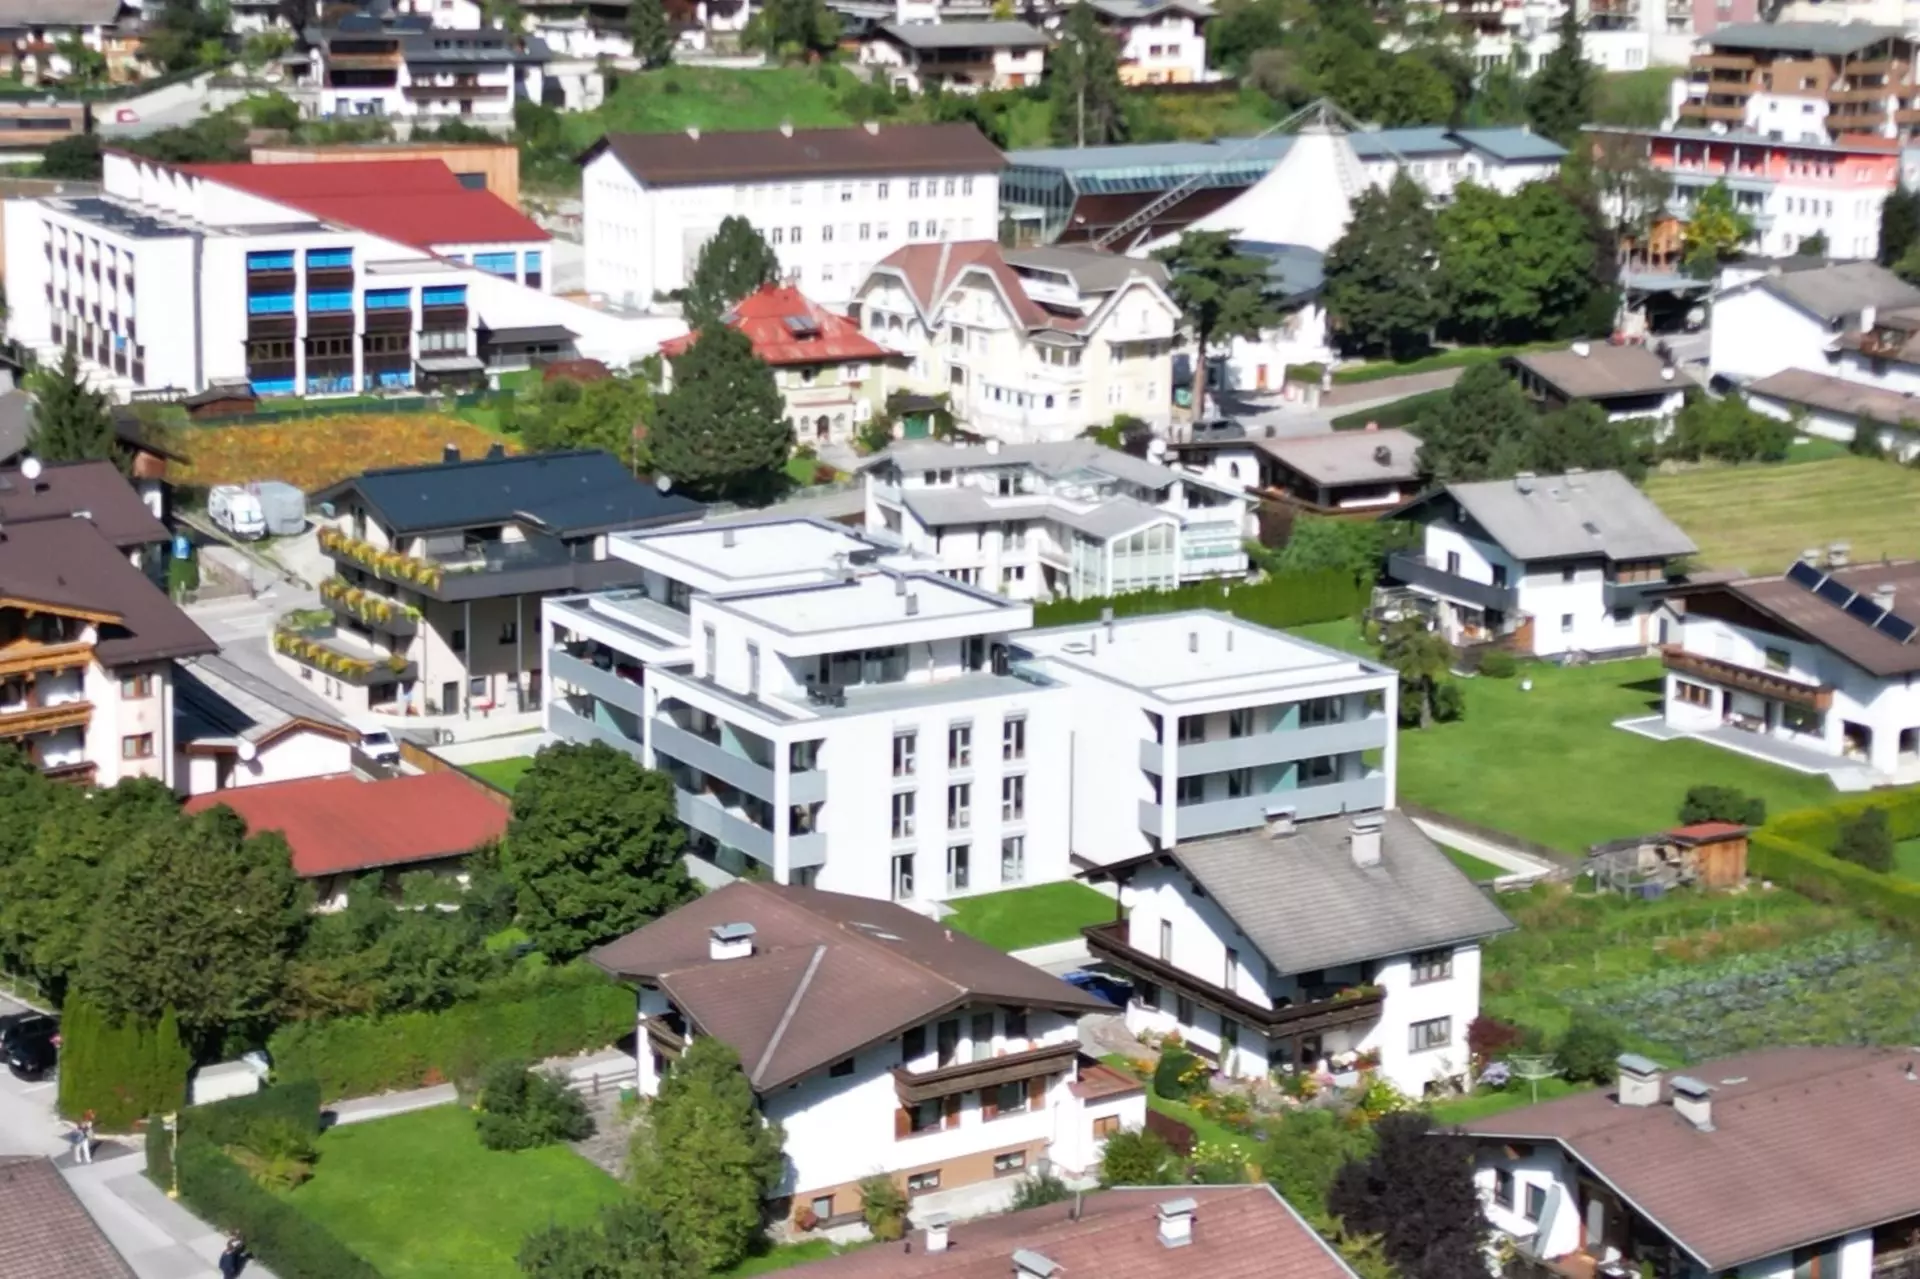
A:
(1711, 855)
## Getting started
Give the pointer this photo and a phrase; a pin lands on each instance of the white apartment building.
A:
(1069, 519)
(1194, 724)
(830, 202)
(1814, 667)
(905, 1048)
(294, 279)
(1800, 81)
(1571, 563)
(833, 719)
(957, 57)
(1303, 947)
(1029, 345)
(1769, 320)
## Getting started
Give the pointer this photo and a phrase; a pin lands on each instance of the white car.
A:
(379, 746)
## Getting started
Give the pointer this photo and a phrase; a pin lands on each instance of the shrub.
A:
(121, 1071)
(227, 1123)
(1449, 703)
(1722, 804)
(1867, 840)
(1795, 849)
(1039, 1190)
(1589, 1052)
(1497, 663)
(1179, 1073)
(1305, 1150)
(278, 1154)
(1136, 1157)
(286, 1240)
(1487, 1038)
(357, 1056)
(884, 1205)
(1217, 1164)
(521, 1108)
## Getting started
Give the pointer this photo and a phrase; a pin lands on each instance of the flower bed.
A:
(365, 605)
(395, 566)
(316, 653)
(311, 453)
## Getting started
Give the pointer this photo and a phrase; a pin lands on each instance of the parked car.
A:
(1100, 986)
(33, 1046)
(379, 746)
(232, 508)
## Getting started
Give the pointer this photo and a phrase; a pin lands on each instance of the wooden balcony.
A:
(1778, 688)
(44, 657)
(1713, 111)
(80, 774)
(1866, 93)
(915, 1087)
(1357, 1007)
(661, 1039)
(478, 92)
(44, 719)
(1723, 62)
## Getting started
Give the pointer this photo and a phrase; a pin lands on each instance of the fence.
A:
(1171, 1131)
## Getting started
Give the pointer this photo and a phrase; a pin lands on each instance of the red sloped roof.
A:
(1706, 832)
(763, 318)
(415, 202)
(336, 824)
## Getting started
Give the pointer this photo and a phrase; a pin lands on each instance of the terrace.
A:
(473, 569)
(340, 654)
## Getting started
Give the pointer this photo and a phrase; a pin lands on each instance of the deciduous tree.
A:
(734, 263)
(1514, 268)
(1416, 1192)
(1464, 436)
(722, 432)
(608, 414)
(1716, 232)
(1423, 658)
(594, 847)
(704, 1158)
(652, 34)
(1083, 82)
(70, 418)
(1560, 94)
(1221, 293)
(1899, 224)
(1380, 274)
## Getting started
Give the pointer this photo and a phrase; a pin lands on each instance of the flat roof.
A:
(716, 557)
(1192, 655)
(875, 599)
(1802, 37)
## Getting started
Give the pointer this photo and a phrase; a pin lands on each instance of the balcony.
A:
(1248, 812)
(1355, 1006)
(709, 817)
(1874, 93)
(1633, 595)
(479, 92)
(382, 614)
(1277, 746)
(80, 774)
(23, 720)
(916, 1086)
(345, 659)
(1779, 688)
(607, 685)
(488, 570)
(1733, 114)
(711, 758)
(1415, 571)
(1722, 62)
(570, 725)
(46, 657)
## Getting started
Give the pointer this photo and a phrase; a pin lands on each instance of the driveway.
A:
(28, 1125)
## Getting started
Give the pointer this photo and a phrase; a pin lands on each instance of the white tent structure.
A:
(1306, 199)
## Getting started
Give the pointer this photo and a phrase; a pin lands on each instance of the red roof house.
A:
(787, 328)
(342, 825)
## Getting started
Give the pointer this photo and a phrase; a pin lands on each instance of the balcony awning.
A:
(529, 335)
(930, 1085)
(450, 364)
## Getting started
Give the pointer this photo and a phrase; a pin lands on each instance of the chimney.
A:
(1193, 641)
(730, 941)
(1176, 1223)
(913, 606)
(1279, 821)
(1838, 554)
(899, 585)
(1523, 481)
(1868, 314)
(1383, 454)
(1363, 837)
(937, 1226)
(693, 132)
(1691, 1102)
(993, 448)
(1883, 596)
(1811, 557)
(786, 128)
(1639, 1081)
(1229, 639)
(728, 537)
(873, 127)
(450, 453)
(1028, 1264)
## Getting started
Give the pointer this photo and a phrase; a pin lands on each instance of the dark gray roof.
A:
(239, 695)
(1828, 38)
(1556, 516)
(1052, 458)
(567, 494)
(58, 13)
(1294, 271)
(1843, 289)
(965, 35)
(1301, 899)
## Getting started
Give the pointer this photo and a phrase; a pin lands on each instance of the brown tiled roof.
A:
(1604, 370)
(1348, 457)
(1239, 1232)
(830, 974)
(1806, 614)
(94, 487)
(689, 159)
(1838, 395)
(67, 562)
(44, 1232)
(1806, 1144)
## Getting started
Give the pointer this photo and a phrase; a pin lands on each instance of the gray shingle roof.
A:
(1843, 289)
(1057, 458)
(1092, 270)
(1830, 38)
(1304, 903)
(225, 697)
(1555, 516)
(965, 35)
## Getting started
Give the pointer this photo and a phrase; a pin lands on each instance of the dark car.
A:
(14, 1025)
(32, 1046)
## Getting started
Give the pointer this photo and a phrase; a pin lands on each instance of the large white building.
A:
(1304, 946)
(1028, 345)
(830, 202)
(894, 1046)
(1571, 563)
(1070, 519)
(294, 279)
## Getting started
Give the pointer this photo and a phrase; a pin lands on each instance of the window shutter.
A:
(989, 1105)
(1037, 1092)
(952, 1105)
(902, 1123)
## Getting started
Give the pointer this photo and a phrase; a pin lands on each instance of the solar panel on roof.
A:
(802, 326)
(1897, 628)
(1834, 593)
(1862, 609)
(1805, 575)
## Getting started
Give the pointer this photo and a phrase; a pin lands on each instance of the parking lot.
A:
(28, 1125)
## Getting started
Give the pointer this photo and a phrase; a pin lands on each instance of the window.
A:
(1321, 710)
(903, 754)
(1424, 1036)
(913, 230)
(1240, 722)
(137, 746)
(949, 186)
(925, 1117)
(903, 815)
(1147, 994)
(509, 632)
(1190, 790)
(1013, 739)
(958, 857)
(1536, 1203)
(1503, 1187)
(1239, 783)
(1227, 969)
(822, 1206)
(753, 670)
(1012, 1162)
(1193, 728)
(1779, 659)
(779, 235)
(903, 878)
(1016, 1023)
(1009, 1099)
(919, 1183)
(1013, 799)
(1183, 1010)
(866, 230)
(960, 806)
(1693, 694)
(913, 190)
(1566, 623)
(880, 191)
(840, 1069)
(1432, 965)
(913, 1045)
(1798, 719)
(947, 1042)
(1013, 859)
(1105, 1126)
(134, 687)
(826, 234)
(1166, 940)
(960, 746)
(1622, 616)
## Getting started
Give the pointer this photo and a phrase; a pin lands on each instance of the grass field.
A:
(1458, 357)
(675, 98)
(311, 453)
(504, 773)
(1021, 917)
(420, 1198)
(1760, 518)
(1906, 859)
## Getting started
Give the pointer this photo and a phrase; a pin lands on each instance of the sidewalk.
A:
(159, 1238)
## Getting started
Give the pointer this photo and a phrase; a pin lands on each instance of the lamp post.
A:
(172, 1122)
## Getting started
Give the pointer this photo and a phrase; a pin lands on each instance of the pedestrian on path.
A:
(234, 1259)
(83, 1139)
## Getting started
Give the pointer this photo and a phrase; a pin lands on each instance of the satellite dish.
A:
(246, 752)
(663, 482)
(31, 468)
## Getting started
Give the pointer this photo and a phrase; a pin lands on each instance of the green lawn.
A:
(1020, 917)
(1477, 868)
(672, 99)
(1343, 634)
(1459, 357)
(1404, 412)
(1549, 766)
(504, 773)
(1760, 518)
(420, 1198)
(780, 1258)
(1906, 859)
(1478, 1105)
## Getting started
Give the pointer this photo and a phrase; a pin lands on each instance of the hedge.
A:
(359, 1056)
(122, 1071)
(226, 1122)
(1796, 850)
(1282, 599)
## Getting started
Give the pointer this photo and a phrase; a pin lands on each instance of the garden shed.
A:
(1710, 855)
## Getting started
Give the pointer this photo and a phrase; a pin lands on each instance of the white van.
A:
(234, 509)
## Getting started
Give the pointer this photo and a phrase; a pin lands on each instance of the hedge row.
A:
(358, 1056)
(1282, 599)
(1796, 850)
